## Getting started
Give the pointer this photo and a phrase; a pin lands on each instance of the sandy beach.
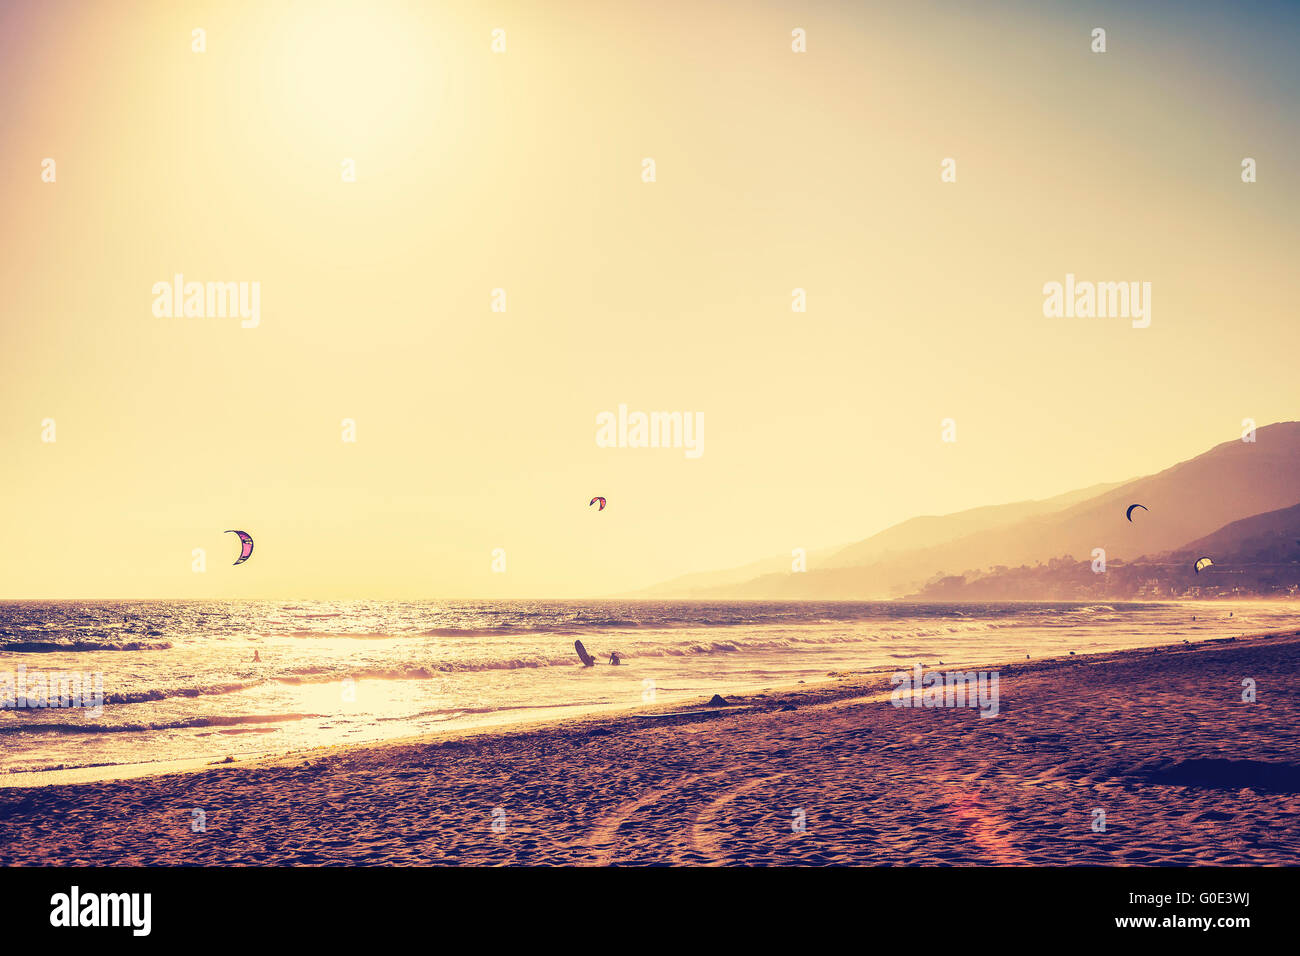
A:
(1159, 740)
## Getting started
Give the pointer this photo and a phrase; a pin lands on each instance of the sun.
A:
(355, 74)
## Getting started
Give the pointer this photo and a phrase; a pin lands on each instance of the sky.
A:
(523, 170)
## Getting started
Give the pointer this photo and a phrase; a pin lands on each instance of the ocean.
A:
(179, 680)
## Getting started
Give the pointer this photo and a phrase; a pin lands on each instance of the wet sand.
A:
(1161, 741)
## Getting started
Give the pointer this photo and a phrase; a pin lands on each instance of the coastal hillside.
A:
(1231, 482)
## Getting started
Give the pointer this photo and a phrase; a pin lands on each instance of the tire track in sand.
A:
(705, 844)
(986, 828)
(602, 839)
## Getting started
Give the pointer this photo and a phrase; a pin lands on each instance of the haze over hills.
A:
(914, 534)
(1257, 556)
(929, 531)
(1272, 537)
(1188, 501)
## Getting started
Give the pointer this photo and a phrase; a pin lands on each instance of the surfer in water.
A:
(257, 658)
(613, 658)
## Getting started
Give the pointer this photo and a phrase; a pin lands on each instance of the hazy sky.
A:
(523, 171)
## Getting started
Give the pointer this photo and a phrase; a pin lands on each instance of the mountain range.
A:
(1236, 496)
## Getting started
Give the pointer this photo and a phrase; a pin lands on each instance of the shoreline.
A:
(773, 695)
(1159, 740)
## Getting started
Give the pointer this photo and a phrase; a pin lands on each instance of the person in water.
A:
(257, 658)
(613, 658)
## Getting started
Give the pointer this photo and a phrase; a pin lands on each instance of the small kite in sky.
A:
(1129, 514)
(1203, 563)
(246, 546)
(594, 500)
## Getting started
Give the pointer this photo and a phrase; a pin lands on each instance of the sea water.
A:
(178, 680)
